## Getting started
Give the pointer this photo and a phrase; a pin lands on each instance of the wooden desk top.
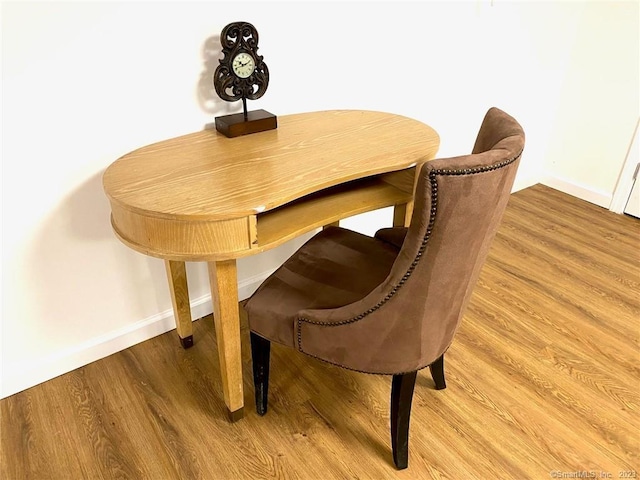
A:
(204, 177)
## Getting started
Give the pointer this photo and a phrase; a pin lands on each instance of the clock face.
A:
(243, 65)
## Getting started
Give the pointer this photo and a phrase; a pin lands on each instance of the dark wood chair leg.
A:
(260, 353)
(437, 373)
(401, 397)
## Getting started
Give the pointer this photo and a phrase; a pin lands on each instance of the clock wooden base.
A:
(236, 124)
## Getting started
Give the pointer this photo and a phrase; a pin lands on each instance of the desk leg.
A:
(224, 292)
(177, 275)
(333, 224)
(402, 214)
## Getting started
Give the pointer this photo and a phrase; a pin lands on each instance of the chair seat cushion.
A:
(334, 268)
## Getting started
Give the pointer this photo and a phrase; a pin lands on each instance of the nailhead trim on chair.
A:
(432, 218)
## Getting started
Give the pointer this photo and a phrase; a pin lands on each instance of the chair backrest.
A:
(458, 207)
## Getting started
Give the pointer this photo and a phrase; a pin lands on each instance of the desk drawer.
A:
(186, 240)
(325, 207)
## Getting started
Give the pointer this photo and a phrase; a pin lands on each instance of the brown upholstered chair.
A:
(390, 304)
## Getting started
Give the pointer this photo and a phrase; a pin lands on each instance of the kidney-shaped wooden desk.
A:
(206, 197)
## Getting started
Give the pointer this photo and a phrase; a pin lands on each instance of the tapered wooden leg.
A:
(260, 353)
(402, 214)
(224, 292)
(437, 373)
(177, 276)
(401, 397)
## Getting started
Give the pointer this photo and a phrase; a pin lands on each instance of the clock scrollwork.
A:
(240, 38)
(242, 75)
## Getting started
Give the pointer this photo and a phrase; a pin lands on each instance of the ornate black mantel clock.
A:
(241, 75)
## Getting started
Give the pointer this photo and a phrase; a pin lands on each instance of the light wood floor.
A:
(542, 383)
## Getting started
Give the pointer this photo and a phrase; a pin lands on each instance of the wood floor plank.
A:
(543, 379)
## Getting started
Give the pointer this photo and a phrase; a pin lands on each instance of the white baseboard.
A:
(16, 378)
(583, 192)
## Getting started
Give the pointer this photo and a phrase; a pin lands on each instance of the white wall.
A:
(599, 103)
(85, 82)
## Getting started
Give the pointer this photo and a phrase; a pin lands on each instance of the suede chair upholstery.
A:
(391, 304)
